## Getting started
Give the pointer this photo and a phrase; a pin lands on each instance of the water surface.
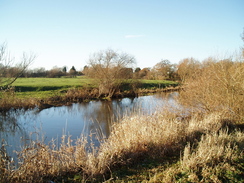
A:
(96, 117)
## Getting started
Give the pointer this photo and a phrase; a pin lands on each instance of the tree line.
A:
(9, 69)
(55, 72)
(104, 64)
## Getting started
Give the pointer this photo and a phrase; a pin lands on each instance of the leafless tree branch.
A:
(6, 62)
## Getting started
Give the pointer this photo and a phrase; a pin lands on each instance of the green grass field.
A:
(150, 84)
(47, 87)
(41, 83)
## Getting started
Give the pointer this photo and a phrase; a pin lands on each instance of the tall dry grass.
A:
(217, 157)
(6, 164)
(40, 162)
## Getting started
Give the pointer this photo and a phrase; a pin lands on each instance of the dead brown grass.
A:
(40, 162)
(8, 100)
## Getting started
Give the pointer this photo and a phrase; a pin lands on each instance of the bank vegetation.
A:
(109, 74)
(202, 141)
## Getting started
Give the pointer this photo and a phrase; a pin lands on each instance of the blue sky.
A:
(65, 33)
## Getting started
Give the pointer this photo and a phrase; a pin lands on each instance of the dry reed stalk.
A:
(212, 122)
(6, 164)
(40, 162)
(214, 152)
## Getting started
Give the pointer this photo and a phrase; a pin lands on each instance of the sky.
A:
(66, 32)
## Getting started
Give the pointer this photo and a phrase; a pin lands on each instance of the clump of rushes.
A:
(218, 157)
(40, 162)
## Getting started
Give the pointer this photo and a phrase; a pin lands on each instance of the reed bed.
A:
(161, 135)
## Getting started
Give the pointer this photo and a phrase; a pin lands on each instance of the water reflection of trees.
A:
(99, 115)
(12, 131)
(9, 122)
(84, 118)
(96, 116)
(166, 95)
(102, 114)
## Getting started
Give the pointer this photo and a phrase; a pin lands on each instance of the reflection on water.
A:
(76, 119)
(13, 133)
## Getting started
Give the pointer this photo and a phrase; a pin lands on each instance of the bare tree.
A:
(188, 67)
(217, 86)
(7, 63)
(163, 70)
(144, 73)
(55, 72)
(72, 72)
(110, 69)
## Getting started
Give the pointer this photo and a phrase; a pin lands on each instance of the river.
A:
(96, 117)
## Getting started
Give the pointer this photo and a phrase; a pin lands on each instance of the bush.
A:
(219, 86)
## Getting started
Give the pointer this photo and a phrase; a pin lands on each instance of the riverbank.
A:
(163, 147)
(201, 141)
(43, 93)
